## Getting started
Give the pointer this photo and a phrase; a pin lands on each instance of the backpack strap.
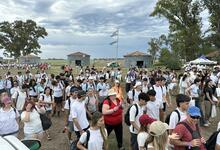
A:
(133, 93)
(178, 113)
(69, 105)
(87, 138)
(136, 106)
(189, 128)
(42, 97)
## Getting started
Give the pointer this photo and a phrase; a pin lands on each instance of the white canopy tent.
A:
(203, 61)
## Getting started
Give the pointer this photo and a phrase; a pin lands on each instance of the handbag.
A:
(45, 121)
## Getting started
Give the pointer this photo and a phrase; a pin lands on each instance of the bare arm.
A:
(107, 111)
(80, 146)
(135, 125)
(26, 116)
(75, 121)
(217, 147)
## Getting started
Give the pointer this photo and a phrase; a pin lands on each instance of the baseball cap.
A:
(158, 128)
(145, 120)
(194, 111)
(6, 100)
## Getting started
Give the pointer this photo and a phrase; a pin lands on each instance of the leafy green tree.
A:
(169, 59)
(20, 38)
(213, 7)
(184, 26)
(155, 46)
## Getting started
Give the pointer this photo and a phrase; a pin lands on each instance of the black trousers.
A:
(118, 132)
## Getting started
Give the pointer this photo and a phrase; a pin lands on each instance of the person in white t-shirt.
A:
(145, 121)
(217, 146)
(78, 113)
(67, 107)
(32, 122)
(91, 103)
(134, 119)
(47, 100)
(19, 98)
(182, 102)
(97, 135)
(102, 89)
(145, 86)
(133, 94)
(154, 108)
(8, 118)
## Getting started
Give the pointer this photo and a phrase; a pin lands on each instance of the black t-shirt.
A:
(210, 91)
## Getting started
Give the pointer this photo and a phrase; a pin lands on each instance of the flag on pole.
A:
(113, 42)
(114, 33)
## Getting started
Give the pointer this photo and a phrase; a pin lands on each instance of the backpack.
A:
(73, 145)
(167, 120)
(211, 142)
(127, 114)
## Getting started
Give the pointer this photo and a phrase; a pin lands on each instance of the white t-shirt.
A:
(132, 113)
(13, 90)
(174, 119)
(141, 138)
(194, 90)
(153, 109)
(67, 106)
(136, 94)
(8, 123)
(67, 90)
(90, 102)
(218, 139)
(58, 90)
(95, 140)
(20, 96)
(159, 92)
(34, 125)
(144, 88)
(78, 111)
(102, 88)
(47, 99)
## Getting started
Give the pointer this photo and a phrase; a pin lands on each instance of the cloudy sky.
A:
(86, 25)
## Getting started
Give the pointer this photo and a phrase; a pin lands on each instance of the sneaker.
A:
(122, 148)
(49, 138)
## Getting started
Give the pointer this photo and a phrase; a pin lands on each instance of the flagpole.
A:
(117, 47)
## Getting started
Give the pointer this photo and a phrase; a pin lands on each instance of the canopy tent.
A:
(202, 60)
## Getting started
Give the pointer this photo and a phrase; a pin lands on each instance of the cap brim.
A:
(195, 114)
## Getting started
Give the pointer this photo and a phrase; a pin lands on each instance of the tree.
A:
(169, 59)
(20, 38)
(213, 7)
(155, 46)
(184, 26)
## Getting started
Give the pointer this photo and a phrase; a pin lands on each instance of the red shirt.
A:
(185, 135)
(116, 117)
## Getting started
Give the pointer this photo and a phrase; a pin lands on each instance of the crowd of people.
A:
(95, 103)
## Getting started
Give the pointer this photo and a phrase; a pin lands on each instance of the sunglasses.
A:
(195, 117)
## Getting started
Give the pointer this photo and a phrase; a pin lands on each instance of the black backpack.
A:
(127, 114)
(73, 145)
(211, 142)
(167, 120)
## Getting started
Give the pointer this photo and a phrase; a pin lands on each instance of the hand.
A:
(174, 136)
(195, 142)
(203, 140)
(116, 108)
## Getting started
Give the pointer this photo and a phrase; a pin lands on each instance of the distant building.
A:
(138, 59)
(78, 59)
(29, 59)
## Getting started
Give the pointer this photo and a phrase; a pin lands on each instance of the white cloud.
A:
(87, 24)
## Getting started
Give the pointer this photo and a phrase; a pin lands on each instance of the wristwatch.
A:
(189, 145)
